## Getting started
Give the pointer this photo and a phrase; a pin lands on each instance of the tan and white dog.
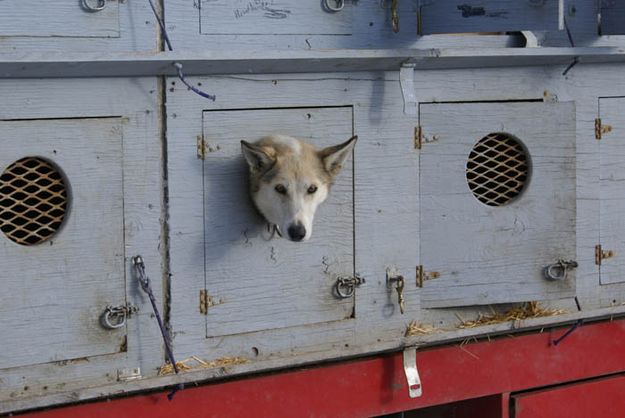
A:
(289, 178)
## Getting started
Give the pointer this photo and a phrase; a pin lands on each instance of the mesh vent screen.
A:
(33, 201)
(497, 169)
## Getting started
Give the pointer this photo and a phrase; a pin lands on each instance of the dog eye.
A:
(281, 189)
(312, 189)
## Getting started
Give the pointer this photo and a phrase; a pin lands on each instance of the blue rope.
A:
(177, 65)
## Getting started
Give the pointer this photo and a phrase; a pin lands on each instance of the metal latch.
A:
(399, 282)
(601, 254)
(99, 5)
(559, 270)
(415, 390)
(345, 286)
(115, 317)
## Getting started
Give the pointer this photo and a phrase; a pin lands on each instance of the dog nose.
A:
(297, 232)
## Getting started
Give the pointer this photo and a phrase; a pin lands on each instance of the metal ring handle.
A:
(101, 5)
(340, 4)
(559, 270)
(113, 319)
(344, 290)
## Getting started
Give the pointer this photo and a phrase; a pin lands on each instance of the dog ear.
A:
(257, 157)
(334, 157)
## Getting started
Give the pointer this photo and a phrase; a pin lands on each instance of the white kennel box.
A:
(80, 169)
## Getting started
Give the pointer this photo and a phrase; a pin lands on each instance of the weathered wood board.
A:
(447, 16)
(259, 281)
(485, 253)
(273, 17)
(59, 288)
(104, 136)
(36, 19)
(44, 27)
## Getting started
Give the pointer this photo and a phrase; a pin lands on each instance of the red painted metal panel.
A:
(377, 386)
(600, 398)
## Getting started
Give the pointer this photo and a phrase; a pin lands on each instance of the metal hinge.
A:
(204, 302)
(201, 147)
(125, 375)
(418, 137)
(423, 276)
(207, 301)
(601, 254)
(601, 129)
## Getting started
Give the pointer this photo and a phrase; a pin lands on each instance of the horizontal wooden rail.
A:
(68, 64)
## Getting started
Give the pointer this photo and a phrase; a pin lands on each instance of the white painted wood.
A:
(58, 289)
(447, 16)
(612, 178)
(73, 117)
(259, 283)
(273, 17)
(62, 26)
(487, 254)
(42, 19)
(228, 61)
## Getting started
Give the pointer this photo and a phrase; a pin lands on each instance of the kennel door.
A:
(256, 281)
(612, 14)
(447, 16)
(62, 242)
(612, 190)
(497, 201)
(58, 18)
(274, 17)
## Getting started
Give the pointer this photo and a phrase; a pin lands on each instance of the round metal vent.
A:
(33, 201)
(497, 169)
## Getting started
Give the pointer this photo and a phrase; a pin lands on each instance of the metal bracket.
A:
(415, 390)
(406, 81)
(125, 375)
(601, 254)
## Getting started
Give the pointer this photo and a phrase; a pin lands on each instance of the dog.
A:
(290, 178)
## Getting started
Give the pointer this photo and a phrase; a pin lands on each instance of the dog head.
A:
(290, 178)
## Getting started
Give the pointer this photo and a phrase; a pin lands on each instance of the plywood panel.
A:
(65, 18)
(257, 282)
(273, 17)
(54, 292)
(495, 254)
(447, 16)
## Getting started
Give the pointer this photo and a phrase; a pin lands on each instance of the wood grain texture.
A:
(59, 289)
(496, 254)
(37, 19)
(30, 26)
(273, 17)
(361, 24)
